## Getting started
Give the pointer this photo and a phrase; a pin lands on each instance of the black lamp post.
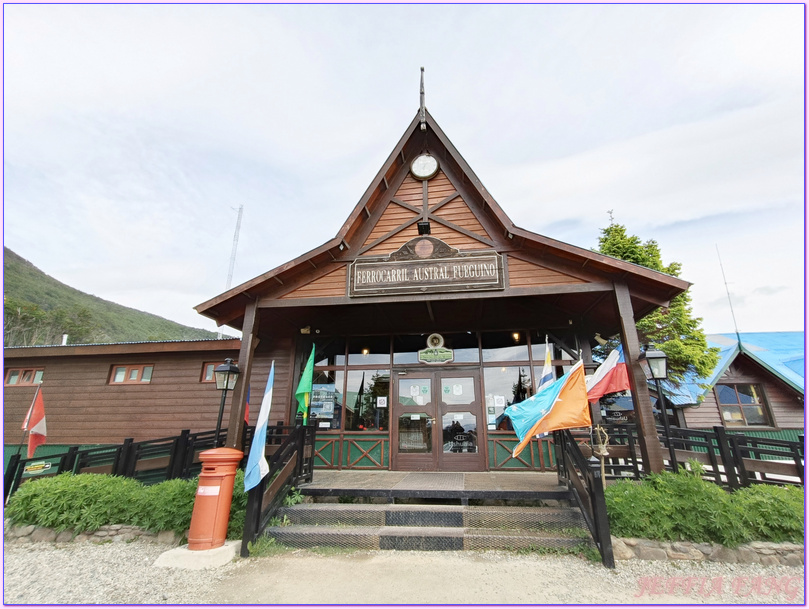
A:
(655, 367)
(225, 376)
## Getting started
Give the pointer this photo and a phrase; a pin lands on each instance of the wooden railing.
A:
(149, 461)
(290, 453)
(730, 459)
(584, 480)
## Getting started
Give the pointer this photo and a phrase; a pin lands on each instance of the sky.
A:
(133, 134)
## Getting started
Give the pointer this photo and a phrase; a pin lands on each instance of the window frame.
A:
(202, 376)
(21, 373)
(128, 369)
(759, 390)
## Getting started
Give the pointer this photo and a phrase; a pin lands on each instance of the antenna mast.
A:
(233, 252)
(235, 244)
(422, 107)
(732, 314)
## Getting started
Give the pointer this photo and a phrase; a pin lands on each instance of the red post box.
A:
(209, 520)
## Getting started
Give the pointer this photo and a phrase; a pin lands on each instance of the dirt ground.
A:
(429, 578)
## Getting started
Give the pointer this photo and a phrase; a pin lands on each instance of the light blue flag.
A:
(525, 414)
(257, 466)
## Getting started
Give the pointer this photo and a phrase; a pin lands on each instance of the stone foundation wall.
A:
(756, 552)
(108, 533)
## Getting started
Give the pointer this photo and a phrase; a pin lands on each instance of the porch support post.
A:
(238, 400)
(650, 449)
(583, 341)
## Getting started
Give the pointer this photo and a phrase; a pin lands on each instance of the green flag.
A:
(305, 387)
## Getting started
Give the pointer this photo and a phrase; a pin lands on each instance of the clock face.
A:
(424, 167)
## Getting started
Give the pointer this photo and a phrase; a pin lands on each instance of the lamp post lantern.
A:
(225, 376)
(655, 366)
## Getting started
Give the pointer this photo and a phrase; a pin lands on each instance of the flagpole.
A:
(28, 419)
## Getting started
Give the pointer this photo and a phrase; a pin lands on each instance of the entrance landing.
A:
(436, 485)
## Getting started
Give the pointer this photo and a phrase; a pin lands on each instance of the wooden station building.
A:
(429, 313)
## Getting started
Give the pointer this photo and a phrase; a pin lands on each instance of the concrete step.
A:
(421, 538)
(421, 515)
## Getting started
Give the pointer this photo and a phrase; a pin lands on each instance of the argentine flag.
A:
(257, 466)
(547, 376)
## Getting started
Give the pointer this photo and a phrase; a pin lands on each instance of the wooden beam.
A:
(388, 235)
(412, 208)
(444, 201)
(647, 431)
(460, 229)
(568, 288)
(564, 346)
(430, 311)
(238, 399)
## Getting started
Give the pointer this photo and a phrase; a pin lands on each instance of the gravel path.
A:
(85, 573)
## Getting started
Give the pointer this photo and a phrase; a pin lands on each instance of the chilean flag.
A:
(610, 377)
(37, 431)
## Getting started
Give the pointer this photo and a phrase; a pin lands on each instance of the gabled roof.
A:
(780, 353)
(650, 288)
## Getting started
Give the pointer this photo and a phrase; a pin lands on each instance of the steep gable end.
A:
(436, 200)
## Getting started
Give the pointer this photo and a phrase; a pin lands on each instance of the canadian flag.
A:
(35, 423)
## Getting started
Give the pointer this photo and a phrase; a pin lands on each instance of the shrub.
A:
(683, 506)
(238, 507)
(166, 506)
(772, 513)
(86, 502)
(82, 502)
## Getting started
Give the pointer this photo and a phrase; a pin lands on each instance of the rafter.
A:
(390, 234)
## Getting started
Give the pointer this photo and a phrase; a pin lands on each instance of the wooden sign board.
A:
(426, 265)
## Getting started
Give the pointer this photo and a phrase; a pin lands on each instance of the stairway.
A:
(414, 514)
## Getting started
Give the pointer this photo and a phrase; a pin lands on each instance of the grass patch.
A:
(582, 550)
(266, 546)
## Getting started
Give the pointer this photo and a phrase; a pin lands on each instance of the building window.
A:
(742, 405)
(207, 372)
(23, 377)
(141, 373)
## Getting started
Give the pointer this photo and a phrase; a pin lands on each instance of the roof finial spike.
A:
(422, 108)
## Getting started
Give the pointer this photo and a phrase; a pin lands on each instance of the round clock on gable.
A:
(424, 166)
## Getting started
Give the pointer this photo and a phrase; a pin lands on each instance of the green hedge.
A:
(85, 502)
(683, 506)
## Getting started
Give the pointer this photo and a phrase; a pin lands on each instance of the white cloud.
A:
(133, 132)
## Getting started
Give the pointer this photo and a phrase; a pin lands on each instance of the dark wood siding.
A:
(458, 212)
(82, 407)
(393, 217)
(411, 192)
(331, 285)
(785, 405)
(438, 189)
(280, 351)
(525, 274)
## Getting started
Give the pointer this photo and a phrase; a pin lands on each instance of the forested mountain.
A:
(38, 310)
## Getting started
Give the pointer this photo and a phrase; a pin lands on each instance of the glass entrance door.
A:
(436, 421)
(414, 444)
(460, 411)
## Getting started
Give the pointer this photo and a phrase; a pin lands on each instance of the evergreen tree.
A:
(673, 330)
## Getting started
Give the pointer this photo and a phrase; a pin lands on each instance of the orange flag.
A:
(560, 405)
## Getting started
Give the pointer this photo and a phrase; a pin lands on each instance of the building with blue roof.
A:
(757, 386)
